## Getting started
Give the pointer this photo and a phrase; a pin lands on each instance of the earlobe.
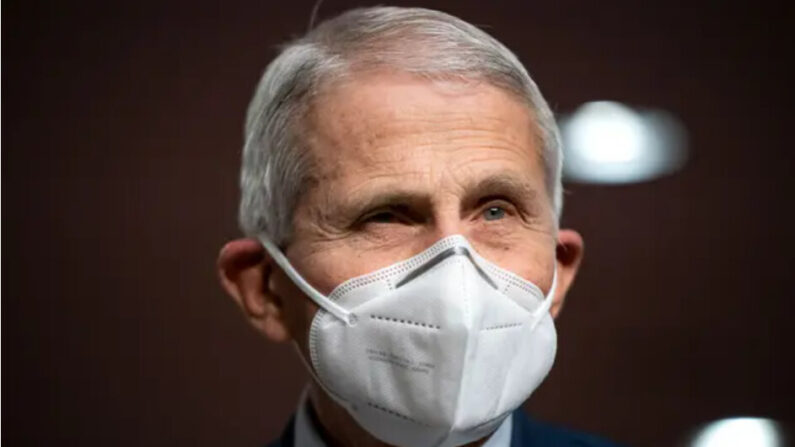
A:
(244, 270)
(569, 253)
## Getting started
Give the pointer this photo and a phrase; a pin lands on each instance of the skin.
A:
(402, 162)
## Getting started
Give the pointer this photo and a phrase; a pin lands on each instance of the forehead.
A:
(382, 118)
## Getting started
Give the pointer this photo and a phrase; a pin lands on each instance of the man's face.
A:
(401, 162)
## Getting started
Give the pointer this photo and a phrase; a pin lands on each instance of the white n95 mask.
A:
(436, 350)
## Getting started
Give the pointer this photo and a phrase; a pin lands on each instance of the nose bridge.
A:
(454, 251)
(446, 219)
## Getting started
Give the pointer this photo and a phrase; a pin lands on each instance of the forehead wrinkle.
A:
(368, 121)
(377, 185)
(352, 137)
(447, 129)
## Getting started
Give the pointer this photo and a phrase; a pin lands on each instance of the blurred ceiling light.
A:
(608, 142)
(739, 432)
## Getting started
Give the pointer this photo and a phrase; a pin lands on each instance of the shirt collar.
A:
(307, 435)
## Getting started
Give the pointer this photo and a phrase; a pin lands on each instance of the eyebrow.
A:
(496, 186)
(416, 199)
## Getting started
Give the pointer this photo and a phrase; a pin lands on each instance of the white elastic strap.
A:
(319, 299)
(312, 373)
(306, 364)
(547, 303)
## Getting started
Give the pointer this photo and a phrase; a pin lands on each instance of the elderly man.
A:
(401, 195)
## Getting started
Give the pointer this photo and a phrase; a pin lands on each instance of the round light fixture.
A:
(608, 142)
(739, 432)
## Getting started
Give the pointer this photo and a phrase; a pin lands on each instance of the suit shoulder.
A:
(530, 432)
(287, 437)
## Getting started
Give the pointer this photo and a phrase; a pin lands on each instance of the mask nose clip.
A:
(452, 251)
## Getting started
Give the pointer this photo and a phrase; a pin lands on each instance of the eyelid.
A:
(386, 209)
(374, 212)
(514, 208)
(503, 202)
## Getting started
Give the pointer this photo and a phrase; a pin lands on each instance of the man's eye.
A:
(382, 217)
(494, 213)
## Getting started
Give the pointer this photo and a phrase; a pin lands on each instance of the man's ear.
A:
(245, 270)
(569, 253)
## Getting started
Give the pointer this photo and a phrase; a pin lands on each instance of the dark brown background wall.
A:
(122, 132)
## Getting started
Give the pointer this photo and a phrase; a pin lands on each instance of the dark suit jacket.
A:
(526, 433)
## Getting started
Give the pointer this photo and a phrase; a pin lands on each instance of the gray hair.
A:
(276, 162)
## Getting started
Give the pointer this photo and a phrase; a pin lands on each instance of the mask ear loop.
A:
(319, 299)
(309, 367)
(343, 402)
(547, 303)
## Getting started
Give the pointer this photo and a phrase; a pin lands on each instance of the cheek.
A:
(297, 309)
(538, 271)
(327, 264)
(532, 259)
(539, 268)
